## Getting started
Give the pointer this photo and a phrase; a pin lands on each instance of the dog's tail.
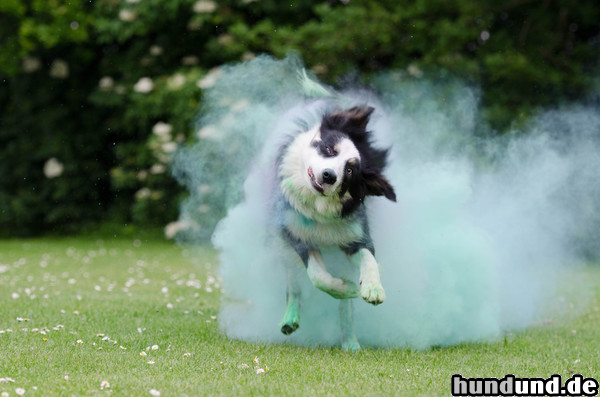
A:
(312, 88)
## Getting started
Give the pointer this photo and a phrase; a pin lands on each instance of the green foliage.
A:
(86, 82)
(524, 54)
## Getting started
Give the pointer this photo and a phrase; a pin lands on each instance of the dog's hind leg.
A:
(349, 341)
(339, 288)
(291, 318)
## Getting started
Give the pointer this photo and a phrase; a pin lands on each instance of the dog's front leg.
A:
(339, 288)
(371, 289)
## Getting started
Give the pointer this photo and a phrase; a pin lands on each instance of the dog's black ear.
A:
(352, 121)
(358, 116)
(377, 185)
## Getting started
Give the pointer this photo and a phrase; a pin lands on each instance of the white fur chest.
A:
(335, 232)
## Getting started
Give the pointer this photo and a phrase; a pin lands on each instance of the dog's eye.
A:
(348, 171)
(328, 151)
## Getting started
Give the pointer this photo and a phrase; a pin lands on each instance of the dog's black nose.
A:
(329, 176)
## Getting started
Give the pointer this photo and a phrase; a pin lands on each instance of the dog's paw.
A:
(351, 345)
(290, 322)
(287, 329)
(372, 292)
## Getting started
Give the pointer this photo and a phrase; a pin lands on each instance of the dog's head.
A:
(341, 161)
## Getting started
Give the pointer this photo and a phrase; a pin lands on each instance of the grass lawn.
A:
(79, 311)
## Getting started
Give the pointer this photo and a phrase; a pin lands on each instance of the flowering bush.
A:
(96, 96)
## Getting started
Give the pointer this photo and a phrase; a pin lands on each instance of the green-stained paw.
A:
(351, 344)
(291, 320)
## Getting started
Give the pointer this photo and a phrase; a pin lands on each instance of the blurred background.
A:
(96, 96)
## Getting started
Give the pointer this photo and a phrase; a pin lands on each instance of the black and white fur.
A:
(324, 175)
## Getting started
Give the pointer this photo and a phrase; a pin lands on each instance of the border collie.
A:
(324, 175)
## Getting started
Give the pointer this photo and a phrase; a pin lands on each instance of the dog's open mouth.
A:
(314, 182)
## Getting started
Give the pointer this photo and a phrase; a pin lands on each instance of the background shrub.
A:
(96, 95)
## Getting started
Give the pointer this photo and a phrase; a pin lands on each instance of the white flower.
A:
(190, 60)
(176, 81)
(53, 168)
(59, 69)
(4, 394)
(79, 342)
(210, 79)
(162, 129)
(144, 85)
(127, 15)
(209, 131)
(143, 354)
(31, 65)
(104, 384)
(203, 6)
(225, 39)
(172, 228)
(414, 70)
(156, 50)
(154, 392)
(150, 362)
(256, 361)
(20, 391)
(185, 355)
(247, 56)
(143, 193)
(169, 305)
(158, 169)
(106, 83)
(260, 371)
(155, 347)
(169, 147)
